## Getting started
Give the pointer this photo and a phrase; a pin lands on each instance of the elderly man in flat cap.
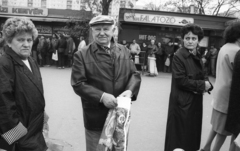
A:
(102, 71)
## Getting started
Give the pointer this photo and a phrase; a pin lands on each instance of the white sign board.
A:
(157, 19)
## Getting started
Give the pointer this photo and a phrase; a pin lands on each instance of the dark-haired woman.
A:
(184, 122)
(222, 87)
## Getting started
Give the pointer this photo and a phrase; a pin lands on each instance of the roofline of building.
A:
(129, 9)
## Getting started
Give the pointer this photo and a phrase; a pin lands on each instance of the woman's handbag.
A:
(167, 62)
(55, 56)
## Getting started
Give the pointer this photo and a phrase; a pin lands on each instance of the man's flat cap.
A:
(101, 19)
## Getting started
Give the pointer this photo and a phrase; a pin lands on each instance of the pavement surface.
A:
(149, 112)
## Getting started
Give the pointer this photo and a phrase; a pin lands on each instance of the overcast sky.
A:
(158, 2)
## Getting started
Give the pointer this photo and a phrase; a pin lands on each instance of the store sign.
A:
(157, 19)
(147, 37)
(24, 11)
(44, 29)
(61, 30)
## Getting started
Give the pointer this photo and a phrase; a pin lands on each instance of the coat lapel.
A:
(117, 53)
(34, 76)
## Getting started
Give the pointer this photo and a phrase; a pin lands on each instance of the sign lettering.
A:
(157, 19)
(44, 29)
(147, 37)
(24, 11)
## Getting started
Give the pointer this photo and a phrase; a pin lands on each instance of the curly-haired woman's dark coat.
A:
(21, 104)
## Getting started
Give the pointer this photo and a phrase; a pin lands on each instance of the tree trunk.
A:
(105, 6)
(105, 10)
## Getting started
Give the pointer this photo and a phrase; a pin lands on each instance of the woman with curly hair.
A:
(21, 90)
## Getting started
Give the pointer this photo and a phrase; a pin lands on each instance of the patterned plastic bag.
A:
(114, 136)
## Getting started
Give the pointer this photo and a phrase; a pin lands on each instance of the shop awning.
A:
(45, 19)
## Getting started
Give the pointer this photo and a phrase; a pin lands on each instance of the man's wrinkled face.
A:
(103, 33)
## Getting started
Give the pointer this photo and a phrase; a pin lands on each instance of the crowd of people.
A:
(62, 45)
(104, 70)
(164, 52)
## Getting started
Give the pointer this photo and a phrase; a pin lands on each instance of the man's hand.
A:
(109, 100)
(127, 93)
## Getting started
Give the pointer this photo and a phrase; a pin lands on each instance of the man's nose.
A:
(101, 32)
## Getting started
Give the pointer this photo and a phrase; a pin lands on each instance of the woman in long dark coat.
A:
(184, 122)
(21, 90)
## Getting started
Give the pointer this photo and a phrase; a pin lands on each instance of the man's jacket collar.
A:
(113, 45)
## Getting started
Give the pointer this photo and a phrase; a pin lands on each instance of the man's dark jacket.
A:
(94, 72)
(21, 101)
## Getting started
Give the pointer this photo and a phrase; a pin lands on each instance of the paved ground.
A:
(149, 112)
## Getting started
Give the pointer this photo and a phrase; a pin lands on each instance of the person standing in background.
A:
(69, 51)
(134, 49)
(82, 43)
(213, 57)
(160, 57)
(144, 49)
(169, 51)
(61, 51)
(35, 50)
(54, 46)
(42, 51)
(48, 52)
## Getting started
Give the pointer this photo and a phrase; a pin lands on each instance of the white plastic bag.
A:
(115, 131)
(167, 62)
(55, 56)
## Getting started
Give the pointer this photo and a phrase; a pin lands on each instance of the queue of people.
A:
(163, 54)
(63, 45)
(103, 71)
